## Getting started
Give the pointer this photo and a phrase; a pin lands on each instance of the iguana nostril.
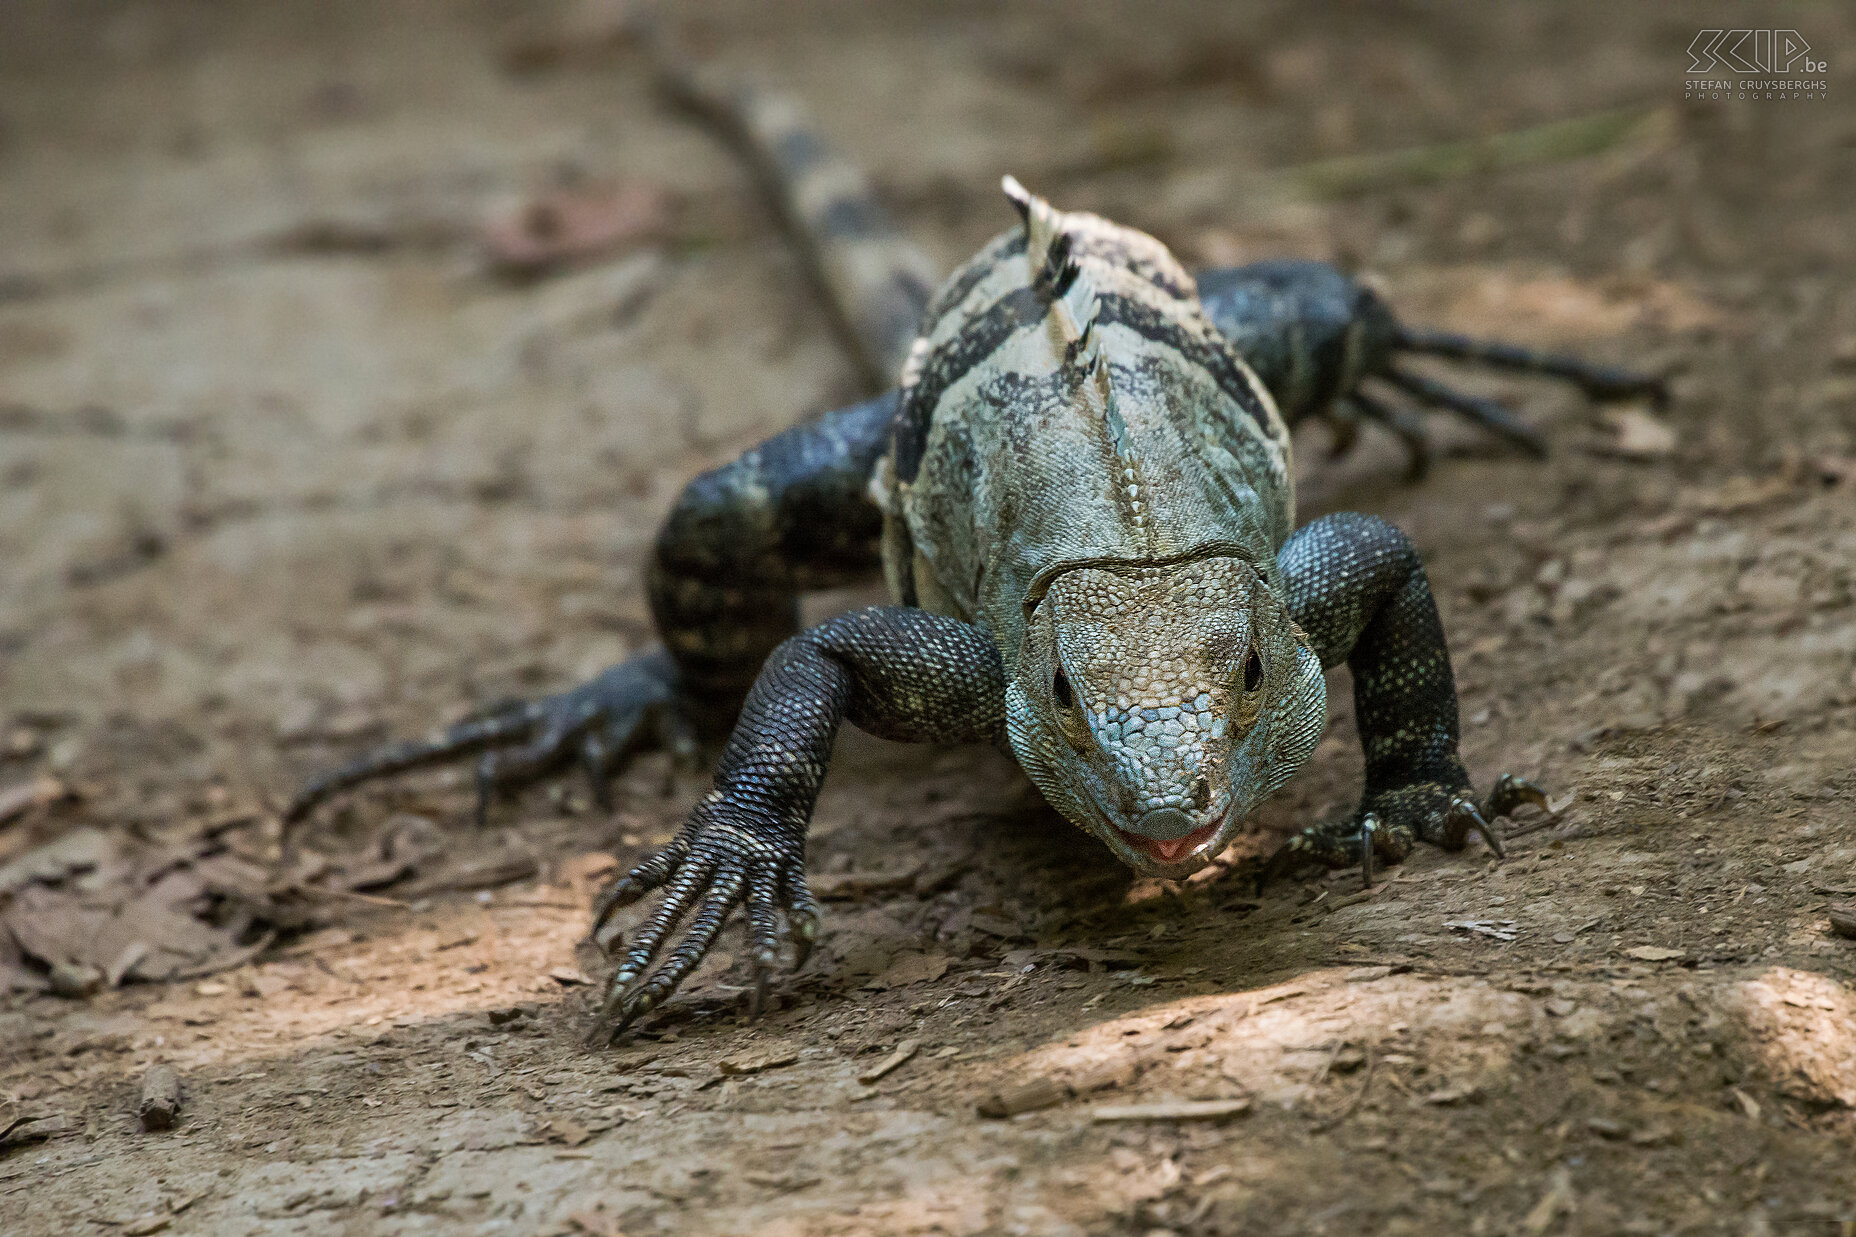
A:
(1164, 824)
(1201, 794)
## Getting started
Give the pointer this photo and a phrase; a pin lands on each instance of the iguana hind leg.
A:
(1357, 587)
(741, 544)
(1315, 335)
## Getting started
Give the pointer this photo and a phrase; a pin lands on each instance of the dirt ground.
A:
(285, 470)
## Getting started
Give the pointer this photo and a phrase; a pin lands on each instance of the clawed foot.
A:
(596, 723)
(714, 865)
(1392, 822)
(1598, 382)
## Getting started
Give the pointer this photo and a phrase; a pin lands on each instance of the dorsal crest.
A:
(1074, 307)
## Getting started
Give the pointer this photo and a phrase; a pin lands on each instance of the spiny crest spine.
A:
(1056, 273)
(1054, 270)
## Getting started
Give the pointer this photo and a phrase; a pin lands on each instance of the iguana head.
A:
(1157, 706)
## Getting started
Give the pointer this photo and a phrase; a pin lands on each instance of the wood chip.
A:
(160, 1106)
(1172, 1110)
(906, 1049)
(1652, 953)
(1038, 1093)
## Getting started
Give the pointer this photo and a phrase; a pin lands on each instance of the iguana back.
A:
(1067, 404)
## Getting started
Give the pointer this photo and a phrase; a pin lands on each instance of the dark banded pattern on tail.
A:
(877, 282)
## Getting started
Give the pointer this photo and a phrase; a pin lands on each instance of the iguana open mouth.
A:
(1175, 850)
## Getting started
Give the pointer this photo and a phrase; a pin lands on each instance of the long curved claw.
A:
(1509, 793)
(708, 870)
(1464, 818)
(628, 997)
(805, 938)
(763, 935)
(1369, 827)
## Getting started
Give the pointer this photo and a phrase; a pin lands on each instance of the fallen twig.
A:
(906, 1049)
(1172, 1110)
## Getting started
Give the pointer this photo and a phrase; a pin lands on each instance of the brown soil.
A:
(283, 470)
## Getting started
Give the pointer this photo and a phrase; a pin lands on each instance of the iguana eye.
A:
(1060, 689)
(1250, 704)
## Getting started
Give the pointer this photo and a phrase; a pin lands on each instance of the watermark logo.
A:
(1752, 51)
(1761, 63)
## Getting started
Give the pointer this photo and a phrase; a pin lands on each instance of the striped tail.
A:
(877, 282)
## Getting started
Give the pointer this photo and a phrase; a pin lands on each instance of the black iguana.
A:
(1080, 494)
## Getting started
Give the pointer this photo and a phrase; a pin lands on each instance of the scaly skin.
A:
(1082, 506)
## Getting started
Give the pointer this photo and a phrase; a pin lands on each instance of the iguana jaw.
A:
(1179, 858)
(1174, 851)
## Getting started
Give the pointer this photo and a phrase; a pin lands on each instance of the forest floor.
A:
(285, 470)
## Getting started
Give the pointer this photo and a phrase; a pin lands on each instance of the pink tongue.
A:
(1169, 851)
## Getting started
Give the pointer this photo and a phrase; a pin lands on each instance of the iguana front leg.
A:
(897, 672)
(1357, 586)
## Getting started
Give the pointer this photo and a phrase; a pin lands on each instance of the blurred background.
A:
(351, 352)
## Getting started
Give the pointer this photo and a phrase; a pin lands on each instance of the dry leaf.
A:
(80, 850)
